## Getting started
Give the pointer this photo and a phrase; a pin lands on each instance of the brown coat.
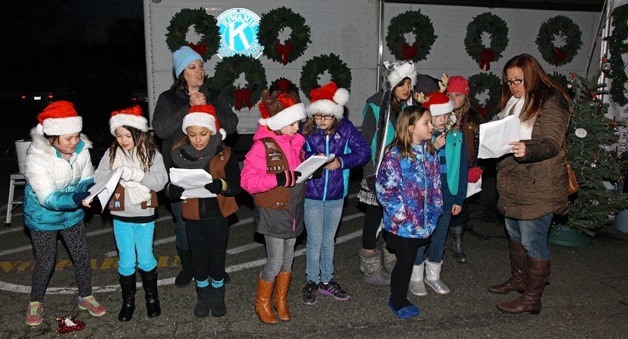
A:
(537, 184)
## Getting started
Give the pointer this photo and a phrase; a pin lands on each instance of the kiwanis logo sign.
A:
(238, 33)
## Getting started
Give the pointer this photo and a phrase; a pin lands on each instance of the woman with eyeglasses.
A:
(532, 182)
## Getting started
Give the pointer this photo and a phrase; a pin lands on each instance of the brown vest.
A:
(277, 198)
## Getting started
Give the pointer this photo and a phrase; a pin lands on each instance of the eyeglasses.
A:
(323, 117)
(513, 82)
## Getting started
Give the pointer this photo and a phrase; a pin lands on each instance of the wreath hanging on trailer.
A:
(313, 68)
(204, 24)
(272, 23)
(562, 26)
(410, 22)
(498, 30)
(228, 71)
(479, 83)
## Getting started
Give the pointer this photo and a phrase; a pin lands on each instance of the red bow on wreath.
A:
(486, 56)
(243, 95)
(410, 51)
(283, 50)
(483, 110)
(559, 55)
(200, 48)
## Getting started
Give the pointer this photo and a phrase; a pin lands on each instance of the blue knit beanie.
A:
(182, 57)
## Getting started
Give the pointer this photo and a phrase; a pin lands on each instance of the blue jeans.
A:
(132, 237)
(436, 247)
(321, 223)
(181, 238)
(532, 234)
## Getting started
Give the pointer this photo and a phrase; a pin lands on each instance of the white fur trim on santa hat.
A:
(285, 118)
(399, 71)
(61, 126)
(329, 107)
(130, 120)
(203, 120)
(440, 109)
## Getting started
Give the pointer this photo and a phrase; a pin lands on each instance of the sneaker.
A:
(92, 306)
(406, 312)
(333, 290)
(33, 313)
(309, 293)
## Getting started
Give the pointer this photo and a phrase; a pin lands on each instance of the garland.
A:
(272, 23)
(498, 30)
(617, 48)
(479, 83)
(340, 73)
(204, 24)
(417, 23)
(228, 71)
(559, 25)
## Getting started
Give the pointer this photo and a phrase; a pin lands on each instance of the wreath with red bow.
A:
(204, 24)
(410, 22)
(228, 71)
(313, 68)
(272, 23)
(479, 83)
(563, 26)
(497, 28)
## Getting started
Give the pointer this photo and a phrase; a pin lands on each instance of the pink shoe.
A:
(90, 304)
(33, 313)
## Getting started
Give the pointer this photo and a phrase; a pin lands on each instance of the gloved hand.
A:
(132, 174)
(78, 198)
(175, 191)
(287, 178)
(214, 186)
(318, 173)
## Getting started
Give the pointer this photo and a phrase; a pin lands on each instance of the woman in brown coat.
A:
(532, 183)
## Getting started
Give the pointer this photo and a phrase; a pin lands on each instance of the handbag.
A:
(573, 181)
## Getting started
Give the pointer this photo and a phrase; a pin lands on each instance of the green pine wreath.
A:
(491, 24)
(313, 68)
(228, 71)
(273, 22)
(204, 24)
(560, 79)
(481, 82)
(559, 25)
(618, 47)
(411, 21)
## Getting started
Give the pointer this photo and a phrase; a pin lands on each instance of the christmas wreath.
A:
(559, 25)
(283, 85)
(618, 47)
(228, 71)
(417, 23)
(479, 83)
(560, 79)
(204, 24)
(498, 30)
(272, 23)
(340, 73)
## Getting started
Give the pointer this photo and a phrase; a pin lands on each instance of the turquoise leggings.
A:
(135, 245)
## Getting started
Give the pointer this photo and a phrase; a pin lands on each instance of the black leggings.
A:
(208, 243)
(406, 250)
(372, 219)
(45, 248)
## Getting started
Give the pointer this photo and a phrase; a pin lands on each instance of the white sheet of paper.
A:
(193, 182)
(309, 166)
(495, 136)
(474, 187)
(104, 189)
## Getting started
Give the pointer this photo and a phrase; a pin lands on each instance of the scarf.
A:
(189, 157)
(513, 107)
(137, 192)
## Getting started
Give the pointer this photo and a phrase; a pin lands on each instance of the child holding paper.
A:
(269, 175)
(133, 204)
(326, 132)
(205, 218)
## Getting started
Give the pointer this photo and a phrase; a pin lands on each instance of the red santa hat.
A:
(204, 116)
(131, 117)
(59, 118)
(438, 104)
(458, 84)
(328, 100)
(291, 113)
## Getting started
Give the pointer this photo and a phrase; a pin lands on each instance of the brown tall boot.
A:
(517, 281)
(262, 301)
(530, 301)
(280, 299)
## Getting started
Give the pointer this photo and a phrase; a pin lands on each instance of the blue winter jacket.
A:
(349, 147)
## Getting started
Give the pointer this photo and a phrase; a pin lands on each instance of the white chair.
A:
(17, 179)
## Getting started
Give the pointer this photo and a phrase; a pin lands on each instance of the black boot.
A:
(128, 297)
(149, 280)
(456, 244)
(217, 298)
(185, 275)
(203, 302)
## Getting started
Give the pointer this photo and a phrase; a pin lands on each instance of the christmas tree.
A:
(595, 164)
